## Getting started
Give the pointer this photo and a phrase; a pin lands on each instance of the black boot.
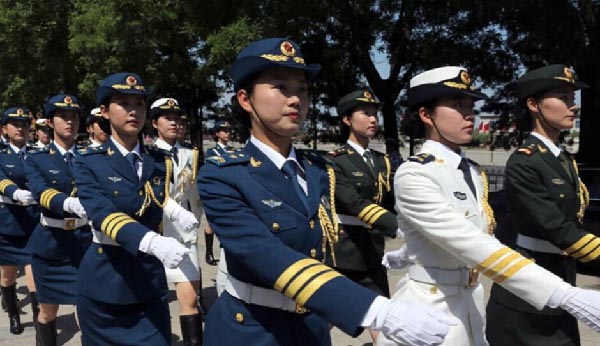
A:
(210, 258)
(35, 309)
(199, 300)
(10, 297)
(47, 333)
(3, 303)
(191, 329)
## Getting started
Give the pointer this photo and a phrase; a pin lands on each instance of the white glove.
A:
(178, 214)
(73, 205)
(24, 197)
(581, 303)
(396, 259)
(416, 325)
(168, 250)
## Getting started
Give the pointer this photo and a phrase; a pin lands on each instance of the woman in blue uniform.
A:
(62, 236)
(123, 187)
(18, 213)
(272, 207)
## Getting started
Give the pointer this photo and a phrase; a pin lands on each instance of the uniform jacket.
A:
(217, 150)
(113, 196)
(366, 194)
(183, 190)
(271, 240)
(15, 220)
(51, 181)
(546, 203)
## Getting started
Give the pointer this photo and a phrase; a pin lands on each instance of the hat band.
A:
(460, 86)
(568, 80)
(62, 104)
(367, 100)
(19, 115)
(125, 86)
(282, 58)
(169, 107)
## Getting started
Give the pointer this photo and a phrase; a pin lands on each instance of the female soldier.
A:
(62, 236)
(273, 208)
(42, 132)
(441, 200)
(166, 119)
(96, 127)
(363, 195)
(547, 201)
(122, 186)
(18, 214)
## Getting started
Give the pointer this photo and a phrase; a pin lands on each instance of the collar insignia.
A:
(110, 152)
(255, 163)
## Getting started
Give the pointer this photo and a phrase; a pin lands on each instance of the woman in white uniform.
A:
(166, 119)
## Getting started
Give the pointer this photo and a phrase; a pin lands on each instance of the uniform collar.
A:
(124, 151)
(275, 157)
(224, 147)
(62, 150)
(547, 142)
(94, 143)
(359, 149)
(448, 154)
(16, 150)
(159, 142)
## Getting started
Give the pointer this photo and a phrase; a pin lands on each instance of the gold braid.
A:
(486, 205)
(329, 229)
(584, 195)
(195, 160)
(149, 195)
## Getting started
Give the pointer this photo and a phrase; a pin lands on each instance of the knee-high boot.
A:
(209, 239)
(10, 298)
(191, 329)
(35, 309)
(47, 333)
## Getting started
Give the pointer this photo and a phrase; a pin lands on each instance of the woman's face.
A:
(96, 132)
(363, 121)
(280, 99)
(17, 131)
(126, 113)
(42, 135)
(168, 125)
(65, 124)
(557, 106)
(450, 120)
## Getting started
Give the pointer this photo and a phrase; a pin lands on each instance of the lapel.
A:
(272, 178)
(549, 158)
(147, 166)
(456, 176)
(59, 159)
(119, 163)
(313, 183)
(359, 161)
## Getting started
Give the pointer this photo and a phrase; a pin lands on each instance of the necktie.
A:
(174, 152)
(566, 163)
(132, 159)
(289, 169)
(368, 156)
(21, 154)
(69, 158)
(464, 167)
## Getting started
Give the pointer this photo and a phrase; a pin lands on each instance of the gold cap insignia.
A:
(68, 99)
(171, 103)
(131, 81)
(465, 77)
(19, 111)
(287, 49)
(568, 73)
(367, 95)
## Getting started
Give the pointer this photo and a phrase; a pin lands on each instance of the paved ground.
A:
(69, 333)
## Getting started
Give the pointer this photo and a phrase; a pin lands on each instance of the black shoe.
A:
(10, 297)
(191, 329)
(210, 259)
(47, 333)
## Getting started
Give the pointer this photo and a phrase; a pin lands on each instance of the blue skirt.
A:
(55, 281)
(13, 250)
(147, 323)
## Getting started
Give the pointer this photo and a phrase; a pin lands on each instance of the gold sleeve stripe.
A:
(113, 223)
(303, 279)
(369, 216)
(375, 217)
(366, 210)
(501, 264)
(579, 244)
(486, 263)
(47, 196)
(512, 270)
(286, 277)
(118, 224)
(591, 256)
(589, 247)
(315, 285)
(4, 184)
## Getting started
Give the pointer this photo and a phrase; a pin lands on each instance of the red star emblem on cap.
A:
(19, 111)
(465, 77)
(68, 99)
(131, 81)
(287, 48)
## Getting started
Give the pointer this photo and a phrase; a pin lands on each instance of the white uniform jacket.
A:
(184, 191)
(446, 232)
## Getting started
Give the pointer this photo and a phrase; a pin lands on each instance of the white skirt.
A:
(188, 269)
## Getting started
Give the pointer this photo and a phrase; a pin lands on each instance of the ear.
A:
(346, 120)
(51, 123)
(532, 104)
(244, 100)
(155, 123)
(425, 115)
(104, 111)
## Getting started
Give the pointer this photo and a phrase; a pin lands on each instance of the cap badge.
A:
(68, 99)
(568, 73)
(19, 111)
(171, 103)
(131, 81)
(368, 95)
(287, 48)
(464, 76)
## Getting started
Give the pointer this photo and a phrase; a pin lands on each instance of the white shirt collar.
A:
(553, 148)
(275, 157)
(62, 150)
(124, 151)
(221, 145)
(94, 143)
(162, 144)
(449, 155)
(16, 149)
(359, 149)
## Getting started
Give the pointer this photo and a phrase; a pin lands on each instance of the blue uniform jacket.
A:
(15, 220)
(112, 196)
(217, 150)
(269, 236)
(51, 181)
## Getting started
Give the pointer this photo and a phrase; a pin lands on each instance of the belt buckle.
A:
(299, 309)
(69, 224)
(473, 277)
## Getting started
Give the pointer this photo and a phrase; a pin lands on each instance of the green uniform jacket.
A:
(368, 196)
(546, 203)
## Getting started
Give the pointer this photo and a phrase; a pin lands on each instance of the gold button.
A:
(161, 194)
(312, 224)
(467, 213)
(115, 192)
(562, 195)
(433, 290)
(313, 253)
(275, 226)
(239, 317)
(53, 181)
(100, 250)
(140, 192)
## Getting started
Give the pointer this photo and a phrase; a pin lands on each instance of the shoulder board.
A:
(422, 158)
(338, 152)
(237, 157)
(94, 150)
(313, 155)
(38, 151)
(154, 150)
(188, 145)
(528, 149)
